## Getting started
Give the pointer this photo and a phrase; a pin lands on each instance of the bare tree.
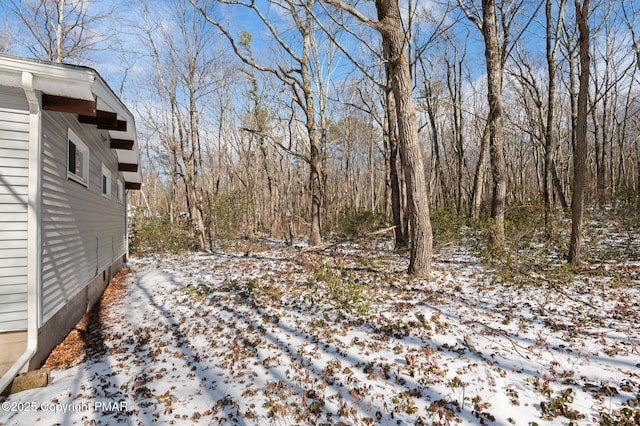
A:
(5, 39)
(541, 109)
(298, 78)
(495, 58)
(494, 20)
(433, 89)
(630, 17)
(552, 46)
(398, 196)
(610, 51)
(183, 64)
(390, 26)
(395, 186)
(259, 119)
(376, 100)
(62, 30)
(454, 84)
(630, 14)
(480, 173)
(580, 148)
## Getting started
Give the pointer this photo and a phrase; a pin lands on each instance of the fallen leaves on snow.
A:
(342, 336)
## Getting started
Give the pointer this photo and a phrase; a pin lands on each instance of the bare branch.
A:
(473, 16)
(342, 49)
(355, 13)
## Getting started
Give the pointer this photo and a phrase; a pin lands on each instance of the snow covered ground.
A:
(289, 336)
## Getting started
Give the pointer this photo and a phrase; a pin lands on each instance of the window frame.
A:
(119, 191)
(79, 147)
(106, 173)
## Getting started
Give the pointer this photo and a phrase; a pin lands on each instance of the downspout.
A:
(33, 232)
(126, 224)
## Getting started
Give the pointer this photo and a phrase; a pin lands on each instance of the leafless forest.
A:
(388, 212)
(317, 118)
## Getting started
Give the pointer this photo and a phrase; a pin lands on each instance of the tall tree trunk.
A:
(458, 120)
(550, 136)
(196, 160)
(495, 118)
(397, 210)
(437, 173)
(481, 170)
(393, 40)
(638, 167)
(558, 186)
(315, 158)
(599, 153)
(580, 148)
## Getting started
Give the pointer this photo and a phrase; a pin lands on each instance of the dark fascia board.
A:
(126, 144)
(70, 105)
(101, 118)
(132, 185)
(124, 167)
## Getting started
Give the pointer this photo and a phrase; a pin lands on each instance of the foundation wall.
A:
(12, 346)
(57, 328)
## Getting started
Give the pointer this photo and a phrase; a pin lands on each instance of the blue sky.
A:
(123, 60)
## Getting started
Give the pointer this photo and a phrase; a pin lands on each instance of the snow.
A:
(289, 335)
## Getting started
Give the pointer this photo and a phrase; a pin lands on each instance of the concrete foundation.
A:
(12, 346)
(57, 328)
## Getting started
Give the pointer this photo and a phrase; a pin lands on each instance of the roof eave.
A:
(76, 82)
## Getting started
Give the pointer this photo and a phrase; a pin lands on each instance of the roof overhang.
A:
(82, 91)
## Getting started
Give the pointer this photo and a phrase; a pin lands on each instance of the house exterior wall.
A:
(62, 322)
(83, 232)
(14, 176)
(62, 238)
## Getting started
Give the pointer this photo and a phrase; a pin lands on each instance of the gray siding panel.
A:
(83, 232)
(14, 175)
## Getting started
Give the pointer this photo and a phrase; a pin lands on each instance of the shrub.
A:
(346, 291)
(448, 226)
(626, 208)
(232, 214)
(355, 223)
(156, 234)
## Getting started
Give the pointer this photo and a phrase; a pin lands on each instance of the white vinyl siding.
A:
(14, 177)
(83, 232)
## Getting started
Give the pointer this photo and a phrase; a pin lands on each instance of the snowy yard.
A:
(288, 336)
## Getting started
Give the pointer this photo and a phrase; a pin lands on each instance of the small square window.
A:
(77, 159)
(119, 191)
(106, 182)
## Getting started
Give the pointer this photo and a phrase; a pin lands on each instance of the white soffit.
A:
(132, 177)
(53, 79)
(126, 156)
